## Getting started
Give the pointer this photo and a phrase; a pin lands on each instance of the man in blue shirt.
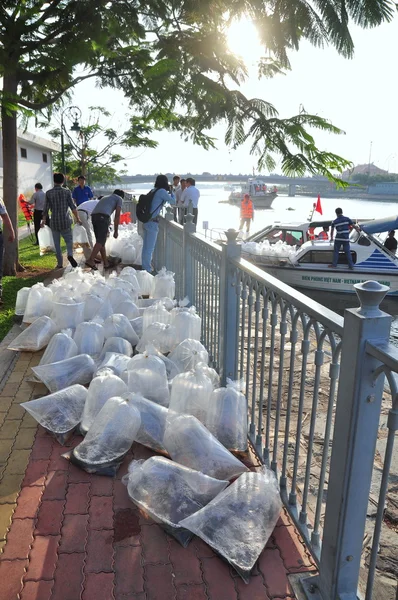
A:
(151, 229)
(82, 192)
(342, 225)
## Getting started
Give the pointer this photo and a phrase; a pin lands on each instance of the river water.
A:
(222, 216)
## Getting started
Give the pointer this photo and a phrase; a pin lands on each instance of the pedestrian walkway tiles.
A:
(68, 535)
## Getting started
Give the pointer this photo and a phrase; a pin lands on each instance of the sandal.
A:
(92, 267)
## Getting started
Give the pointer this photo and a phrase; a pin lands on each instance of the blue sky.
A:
(358, 95)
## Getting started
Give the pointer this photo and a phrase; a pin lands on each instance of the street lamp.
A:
(74, 114)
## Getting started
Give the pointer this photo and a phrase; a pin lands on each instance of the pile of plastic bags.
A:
(121, 369)
(271, 252)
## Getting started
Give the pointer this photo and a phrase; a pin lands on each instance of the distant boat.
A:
(230, 187)
(258, 192)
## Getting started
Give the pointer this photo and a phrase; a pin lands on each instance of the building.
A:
(34, 162)
(387, 188)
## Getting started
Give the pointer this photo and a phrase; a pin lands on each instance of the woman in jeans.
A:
(151, 228)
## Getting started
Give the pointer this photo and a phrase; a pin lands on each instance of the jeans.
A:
(1, 263)
(346, 248)
(67, 235)
(86, 222)
(37, 217)
(151, 230)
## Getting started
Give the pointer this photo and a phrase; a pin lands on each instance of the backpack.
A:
(143, 208)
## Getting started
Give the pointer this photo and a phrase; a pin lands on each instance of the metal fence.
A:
(314, 382)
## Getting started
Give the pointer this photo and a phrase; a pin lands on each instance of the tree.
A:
(149, 48)
(84, 157)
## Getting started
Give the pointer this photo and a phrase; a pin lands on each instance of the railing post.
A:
(188, 275)
(169, 216)
(229, 306)
(354, 442)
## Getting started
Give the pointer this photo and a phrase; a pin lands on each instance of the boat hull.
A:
(331, 280)
(263, 201)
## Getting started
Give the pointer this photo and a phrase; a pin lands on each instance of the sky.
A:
(357, 95)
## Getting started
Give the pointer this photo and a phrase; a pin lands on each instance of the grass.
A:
(37, 269)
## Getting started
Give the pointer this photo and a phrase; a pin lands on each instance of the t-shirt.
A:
(190, 193)
(342, 225)
(107, 205)
(81, 195)
(88, 206)
(38, 199)
(391, 244)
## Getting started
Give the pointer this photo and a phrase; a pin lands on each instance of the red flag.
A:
(318, 207)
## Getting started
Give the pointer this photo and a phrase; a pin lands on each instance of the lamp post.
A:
(74, 114)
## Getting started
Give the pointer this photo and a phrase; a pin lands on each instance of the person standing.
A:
(38, 199)
(390, 242)
(179, 203)
(101, 220)
(151, 228)
(6, 221)
(82, 192)
(342, 225)
(191, 194)
(176, 186)
(246, 213)
(60, 204)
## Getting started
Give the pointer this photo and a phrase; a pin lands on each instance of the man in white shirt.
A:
(38, 199)
(179, 203)
(84, 211)
(191, 194)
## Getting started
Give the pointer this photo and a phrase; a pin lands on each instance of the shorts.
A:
(101, 224)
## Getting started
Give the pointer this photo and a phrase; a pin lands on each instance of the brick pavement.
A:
(67, 535)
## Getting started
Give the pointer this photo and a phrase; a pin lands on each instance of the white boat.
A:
(304, 263)
(258, 192)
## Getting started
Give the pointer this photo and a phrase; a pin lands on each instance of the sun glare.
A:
(243, 40)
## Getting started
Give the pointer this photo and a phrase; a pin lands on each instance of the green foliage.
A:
(172, 60)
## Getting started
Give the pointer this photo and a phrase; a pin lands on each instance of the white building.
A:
(34, 162)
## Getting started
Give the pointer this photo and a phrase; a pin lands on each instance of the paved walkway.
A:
(67, 535)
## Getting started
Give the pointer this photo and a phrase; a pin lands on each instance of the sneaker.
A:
(59, 267)
(72, 261)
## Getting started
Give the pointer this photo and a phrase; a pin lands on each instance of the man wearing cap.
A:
(246, 213)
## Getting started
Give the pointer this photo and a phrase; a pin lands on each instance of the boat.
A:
(258, 192)
(286, 251)
(230, 187)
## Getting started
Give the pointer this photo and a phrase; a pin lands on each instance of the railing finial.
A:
(370, 295)
(189, 218)
(232, 235)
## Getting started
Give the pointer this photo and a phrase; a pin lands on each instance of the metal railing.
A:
(314, 383)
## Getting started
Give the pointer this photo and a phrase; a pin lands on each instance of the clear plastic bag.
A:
(227, 416)
(57, 376)
(146, 282)
(119, 326)
(164, 284)
(131, 275)
(210, 373)
(153, 422)
(105, 311)
(189, 443)
(60, 412)
(36, 336)
(118, 345)
(171, 369)
(92, 306)
(169, 492)
(156, 314)
(101, 289)
(128, 309)
(190, 394)
(188, 325)
(137, 325)
(114, 361)
(22, 298)
(46, 240)
(80, 239)
(188, 354)
(116, 296)
(100, 390)
(39, 303)
(68, 315)
(240, 520)
(129, 254)
(151, 384)
(160, 335)
(89, 338)
(61, 346)
(109, 437)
